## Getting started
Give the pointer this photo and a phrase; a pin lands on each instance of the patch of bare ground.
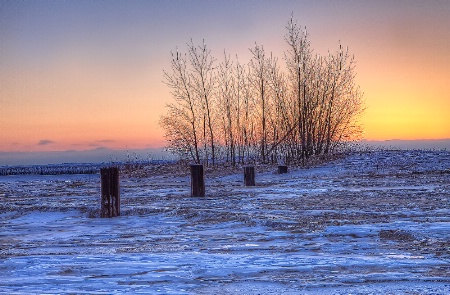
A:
(181, 168)
(396, 235)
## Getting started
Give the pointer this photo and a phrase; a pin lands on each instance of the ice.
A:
(369, 223)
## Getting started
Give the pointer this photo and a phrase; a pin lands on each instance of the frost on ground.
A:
(372, 223)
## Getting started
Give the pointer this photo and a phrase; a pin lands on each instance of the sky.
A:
(86, 75)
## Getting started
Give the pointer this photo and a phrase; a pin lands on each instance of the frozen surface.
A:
(372, 223)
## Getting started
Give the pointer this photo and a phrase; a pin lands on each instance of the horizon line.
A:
(163, 147)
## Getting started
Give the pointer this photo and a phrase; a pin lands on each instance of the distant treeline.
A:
(53, 169)
(70, 168)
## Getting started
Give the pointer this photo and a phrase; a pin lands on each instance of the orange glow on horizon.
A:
(406, 118)
(405, 102)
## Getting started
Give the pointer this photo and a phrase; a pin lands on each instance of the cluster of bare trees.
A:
(259, 111)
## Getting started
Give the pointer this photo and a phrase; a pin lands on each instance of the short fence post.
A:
(110, 206)
(197, 181)
(249, 175)
(282, 169)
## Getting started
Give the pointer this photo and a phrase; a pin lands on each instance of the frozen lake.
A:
(372, 223)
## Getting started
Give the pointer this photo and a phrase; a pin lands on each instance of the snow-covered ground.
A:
(372, 223)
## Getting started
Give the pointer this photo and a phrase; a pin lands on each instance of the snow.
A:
(370, 223)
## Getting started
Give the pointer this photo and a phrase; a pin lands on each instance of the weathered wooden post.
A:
(197, 181)
(282, 169)
(249, 175)
(110, 206)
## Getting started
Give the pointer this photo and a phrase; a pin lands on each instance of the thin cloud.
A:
(101, 143)
(45, 142)
(93, 144)
(106, 141)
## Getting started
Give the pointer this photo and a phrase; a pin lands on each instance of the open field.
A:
(371, 223)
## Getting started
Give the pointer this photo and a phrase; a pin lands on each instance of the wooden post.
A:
(249, 176)
(197, 181)
(282, 169)
(110, 206)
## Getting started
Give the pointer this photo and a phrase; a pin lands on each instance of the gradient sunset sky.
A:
(77, 75)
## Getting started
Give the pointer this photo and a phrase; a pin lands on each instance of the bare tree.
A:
(345, 100)
(181, 122)
(258, 81)
(203, 83)
(298, 59)
(279, 118)
(241, 108)
(229, 104)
